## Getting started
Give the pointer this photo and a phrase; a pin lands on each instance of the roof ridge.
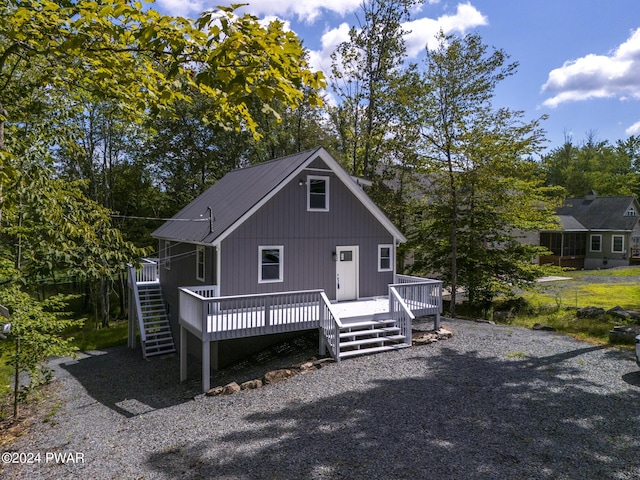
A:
(274, 160)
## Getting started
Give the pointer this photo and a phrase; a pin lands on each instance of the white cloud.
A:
(421, 32)
(597, 76)
(181, 8)
(305, 10)
(633, 129)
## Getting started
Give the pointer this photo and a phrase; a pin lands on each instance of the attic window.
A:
(631, 212)
(270, 264)
(317, 193)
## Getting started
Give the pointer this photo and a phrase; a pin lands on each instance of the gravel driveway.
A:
(493, 402)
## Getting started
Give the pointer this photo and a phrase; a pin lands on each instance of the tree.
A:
(594, 165)
(144, 61)
(364, 72)
(479, 191)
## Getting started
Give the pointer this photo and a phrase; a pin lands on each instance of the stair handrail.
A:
(330, 325)
(136, 297)
(403, 316)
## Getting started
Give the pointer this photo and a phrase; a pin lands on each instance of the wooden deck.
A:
(212, 318)
(348, 328)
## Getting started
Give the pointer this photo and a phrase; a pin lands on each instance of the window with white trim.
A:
(596, 243)
(384, 258)
(270, 264)
(200, 263)
(631, 212)
(617, 244)
(317, 193)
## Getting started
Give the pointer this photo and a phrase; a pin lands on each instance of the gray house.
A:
(287, 245)
(595, 232)
(295, 223)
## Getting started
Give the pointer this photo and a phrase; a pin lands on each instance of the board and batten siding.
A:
(309, 240)
(182, 272)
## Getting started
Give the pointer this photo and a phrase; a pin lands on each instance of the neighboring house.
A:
(595, 232)
(272, 248)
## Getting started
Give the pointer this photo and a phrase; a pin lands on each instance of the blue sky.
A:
(579, 60)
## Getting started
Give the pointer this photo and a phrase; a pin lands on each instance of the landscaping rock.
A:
(618, 312)
(276, 376)
(590, 312)
(543, 327)
(214, 392)
(251, 384)
(230, 388)
(624, 333)
(425, 338)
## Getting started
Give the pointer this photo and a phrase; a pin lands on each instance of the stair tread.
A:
(367, 341)
(368, 323)
(372, 331)
(365, 351)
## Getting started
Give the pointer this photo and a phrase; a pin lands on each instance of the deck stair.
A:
(370, 336)
(154, 321)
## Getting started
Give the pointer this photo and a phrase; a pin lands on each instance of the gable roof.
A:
(598, 213)
(241, 192)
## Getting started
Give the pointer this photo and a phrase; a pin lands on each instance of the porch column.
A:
(183, 354)
(206, 365)
(130, 315)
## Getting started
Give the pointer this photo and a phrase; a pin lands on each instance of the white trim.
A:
(591, 242)
(613, 238)
(326, 181)
(201, 251)
(280, 249)
(218, 247)
(391, 257)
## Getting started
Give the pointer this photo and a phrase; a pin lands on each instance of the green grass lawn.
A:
(90, 338)
(555, 303)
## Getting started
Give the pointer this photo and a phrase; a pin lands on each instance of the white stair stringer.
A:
(154, 322)
(372, 336)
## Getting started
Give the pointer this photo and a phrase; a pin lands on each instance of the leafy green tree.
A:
(364, 72)
(480, 193)
(594, 165)
(36, 328)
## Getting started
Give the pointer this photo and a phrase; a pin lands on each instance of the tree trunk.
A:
(104, 300)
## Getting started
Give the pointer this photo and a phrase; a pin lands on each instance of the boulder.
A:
(215, 391)
(543, 327)
(276, 376)
(624, 333)
(251, 384)
(590, 312)
(230, 388)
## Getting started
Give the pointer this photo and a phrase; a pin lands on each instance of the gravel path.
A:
(493, 402)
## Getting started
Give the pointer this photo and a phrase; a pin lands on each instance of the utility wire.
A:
(162, 219)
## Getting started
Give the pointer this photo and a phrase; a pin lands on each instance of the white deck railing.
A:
(330, 325)
(220, 318)
(148, 272)
(400, 313)
(422, 296)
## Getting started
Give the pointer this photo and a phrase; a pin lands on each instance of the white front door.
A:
(346, 273)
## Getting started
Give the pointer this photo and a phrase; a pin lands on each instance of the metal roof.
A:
(237, 195)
